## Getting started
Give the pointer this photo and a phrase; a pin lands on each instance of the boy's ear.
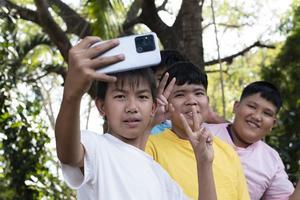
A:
(153, 111)
(235, 106)
(274, 122)
(100, 107)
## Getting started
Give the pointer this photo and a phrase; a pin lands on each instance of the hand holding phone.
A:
(139, 50)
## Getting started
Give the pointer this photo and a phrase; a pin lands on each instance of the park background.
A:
(234, 41)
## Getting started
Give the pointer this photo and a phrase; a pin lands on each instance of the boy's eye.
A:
(200, 93)
(251, 106)
(143, 97)
(178, 95)
(120, 96)
(268, 114)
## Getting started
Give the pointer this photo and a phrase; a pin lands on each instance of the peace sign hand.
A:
(163, 93)
(199, 137)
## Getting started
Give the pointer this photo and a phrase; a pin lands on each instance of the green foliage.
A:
(285, 73)
(25, 160)
(106, 17)
(236, 75)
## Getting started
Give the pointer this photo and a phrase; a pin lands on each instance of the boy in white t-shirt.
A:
(114, 166)
(255, 116)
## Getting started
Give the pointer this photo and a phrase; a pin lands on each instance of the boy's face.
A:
(128, 109)
(254, 118)
(183, 98)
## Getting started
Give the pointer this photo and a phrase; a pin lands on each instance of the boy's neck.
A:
(180, 133)
(238, 141)
(139, 142)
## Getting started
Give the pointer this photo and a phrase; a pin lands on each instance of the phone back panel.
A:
(133, 59)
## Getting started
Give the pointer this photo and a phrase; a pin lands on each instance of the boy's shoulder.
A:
(166, 134)
(216, 128)
(222, 146)
(261, 147)
(98, 140)
(90, 135)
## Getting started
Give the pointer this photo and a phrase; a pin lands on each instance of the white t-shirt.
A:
(114, 170)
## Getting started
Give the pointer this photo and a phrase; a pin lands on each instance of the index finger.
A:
(186, 126)
(88, 41)
(196, 119)
(162, 84)
(169, 88)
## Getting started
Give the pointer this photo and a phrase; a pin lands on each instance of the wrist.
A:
(205, 166)
(71, 98)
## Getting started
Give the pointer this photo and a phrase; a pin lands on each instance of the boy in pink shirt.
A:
(255, 116)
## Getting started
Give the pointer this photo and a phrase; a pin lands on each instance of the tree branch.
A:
(149, 17)
(162, 6)
(229, 59)
(127, 26)
(48, 69)
(132, 17)
(75, 23)
(233, 26)
(56, 34)
(20, 12)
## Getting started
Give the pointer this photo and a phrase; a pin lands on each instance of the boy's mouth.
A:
(252, 124)
(132, 122)
(190, 114)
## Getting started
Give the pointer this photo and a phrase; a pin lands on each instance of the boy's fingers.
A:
(103, 77)
(100, 62)
(169, 88)
(163, 99)
(160, 102)
(196, 119)
(186, 126)
(171, 108)
(209, 139)
(162, 84)
(88, 41)
(99, 49)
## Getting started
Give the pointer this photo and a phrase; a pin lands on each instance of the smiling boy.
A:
(172, 150)
(255, 116)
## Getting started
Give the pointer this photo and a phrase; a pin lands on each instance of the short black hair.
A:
(187, 72)
(267, 90)
(168, 58)
(133, 77)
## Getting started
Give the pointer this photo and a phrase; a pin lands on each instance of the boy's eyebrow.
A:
(268, 109)
(137, 91)
(195, 89)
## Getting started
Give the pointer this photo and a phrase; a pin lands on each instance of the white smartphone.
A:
(140, 51)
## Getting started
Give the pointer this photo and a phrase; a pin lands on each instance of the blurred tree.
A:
(285, 73)
(25, 161)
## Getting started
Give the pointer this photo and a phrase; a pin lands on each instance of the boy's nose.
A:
(131, 106)
(191, 101)
(257, 116)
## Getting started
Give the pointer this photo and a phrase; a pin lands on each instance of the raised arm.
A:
(83, 61)
(201, 141)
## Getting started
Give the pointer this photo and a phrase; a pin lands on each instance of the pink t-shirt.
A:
(263, 167)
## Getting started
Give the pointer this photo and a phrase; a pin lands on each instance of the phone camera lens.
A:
(140, 49)
(144, 43)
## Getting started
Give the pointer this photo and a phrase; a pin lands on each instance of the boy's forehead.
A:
(127, 84)
(188, 86)
(257, 98)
